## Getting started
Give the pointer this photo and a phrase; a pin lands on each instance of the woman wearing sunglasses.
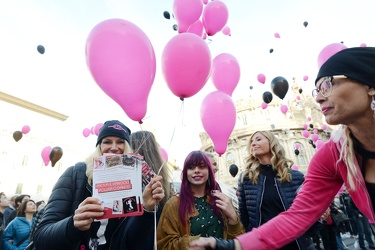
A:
(345, 91)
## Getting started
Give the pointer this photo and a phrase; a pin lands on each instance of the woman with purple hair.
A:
(200, 210)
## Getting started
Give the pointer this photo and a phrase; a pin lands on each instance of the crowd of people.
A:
(279, 207)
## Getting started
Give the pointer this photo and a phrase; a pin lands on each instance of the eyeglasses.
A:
(324, 85)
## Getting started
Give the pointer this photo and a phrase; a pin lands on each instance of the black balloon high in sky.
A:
(167, 15)
(279, 86)
(271, 50)
(300, 91)
(305, 23)
(233, 170)
(41, 49)
(267, 97)
(175, 27)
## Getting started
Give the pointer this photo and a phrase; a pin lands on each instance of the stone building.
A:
(288, 127)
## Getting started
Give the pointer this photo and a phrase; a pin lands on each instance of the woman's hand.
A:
(203, 243)
(225, 204)
(153, 193)
(87, 211)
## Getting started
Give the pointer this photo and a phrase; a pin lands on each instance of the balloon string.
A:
(170, 143)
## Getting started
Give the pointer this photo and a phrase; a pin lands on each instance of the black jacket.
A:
(56, 229)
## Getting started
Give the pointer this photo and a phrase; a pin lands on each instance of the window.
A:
(229, 158)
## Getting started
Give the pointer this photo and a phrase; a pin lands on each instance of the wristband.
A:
(151, 211)
(224, 244)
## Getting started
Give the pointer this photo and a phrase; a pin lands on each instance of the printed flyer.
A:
(118, 181)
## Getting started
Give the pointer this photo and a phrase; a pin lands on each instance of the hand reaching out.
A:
(225, 204)
(153, 193)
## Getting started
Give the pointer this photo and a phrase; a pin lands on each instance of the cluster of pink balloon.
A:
(51, 154)
(94, 130)
(193, 17)
(17, 135)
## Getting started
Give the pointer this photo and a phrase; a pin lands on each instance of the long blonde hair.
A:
(278, 160)
(347, 153)
(98, 152)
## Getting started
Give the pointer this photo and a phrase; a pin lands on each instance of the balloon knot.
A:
(140, 122)
(181, 98)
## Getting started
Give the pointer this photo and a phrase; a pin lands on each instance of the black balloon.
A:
(17, 135)
(271, 50)
(279, 86)
(296, 152)
(251, 87)
(311, 125)
(167, 15)
(267, 97)
(233, 170)
(305, 23)
(311, 142)
(175, 27)
(55, 155)
(300, 91)
(40, 49)
(314, 146)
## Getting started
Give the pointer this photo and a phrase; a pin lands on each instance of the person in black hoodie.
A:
(69, 217)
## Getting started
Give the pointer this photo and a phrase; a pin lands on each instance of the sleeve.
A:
(8, 236)
(236, 229)
(242, 209)
(169, 232)
(56, 229)
(320, 187)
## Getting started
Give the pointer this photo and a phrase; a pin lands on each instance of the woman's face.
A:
(30, 207)
(197, 175)
(4, 202)
(260, 146)
(348, 103)
(113, 145)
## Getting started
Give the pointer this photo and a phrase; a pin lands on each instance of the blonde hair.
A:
(278, 160)
(347, 154)
(98, 152)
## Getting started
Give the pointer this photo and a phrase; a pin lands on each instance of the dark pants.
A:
(364, 231)
(328, 235)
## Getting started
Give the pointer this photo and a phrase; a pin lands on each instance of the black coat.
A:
(56, 229)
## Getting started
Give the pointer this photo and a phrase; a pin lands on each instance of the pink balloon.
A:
(329, 51)
(164, 154)
(196, 28)
(363, 45)
(186, 12)
(25, 129)
(305, 78)
(226, 31)
(315, 131)
(218, 108)
(295, 167)
(264, 105)
(186, 64)
(86, 132)
(45, 155)
(319, 144)
(306, 133)
(277, 35)
(261, 78)
(298, 97)
(314, 137)
(214, 17)
(297, 145)
(97, 127)
(305, 126)
(225, 73)
(324, 127)
(122, 61)
(284, 109)
(309, 118)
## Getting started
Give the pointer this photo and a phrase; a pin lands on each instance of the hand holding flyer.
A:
(118, 182)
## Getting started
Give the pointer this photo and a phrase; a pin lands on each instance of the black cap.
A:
(113, 128)
(356, 63)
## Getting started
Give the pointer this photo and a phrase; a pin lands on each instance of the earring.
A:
(373, 105)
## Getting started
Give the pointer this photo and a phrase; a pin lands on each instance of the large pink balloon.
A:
(218, 116)
(329, 51)
(186, 12)
(214, 17)
(45, 155)
(164, 154)
(225, 73)
(306, 133)
(25, 129)
(196, 28)
(261, 78)
(186, 64)
(122, 61)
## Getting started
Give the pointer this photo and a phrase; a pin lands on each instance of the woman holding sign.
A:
(69, 218)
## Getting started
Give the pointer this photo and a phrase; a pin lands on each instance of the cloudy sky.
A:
(60, 79)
